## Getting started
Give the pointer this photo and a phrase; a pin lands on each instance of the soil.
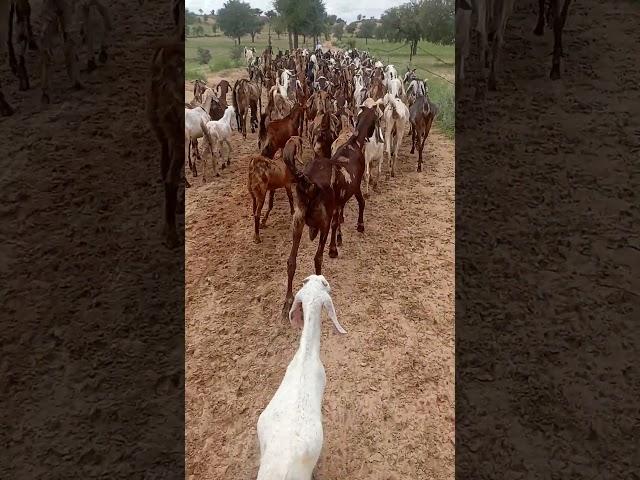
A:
(546, 192)
(389, 398)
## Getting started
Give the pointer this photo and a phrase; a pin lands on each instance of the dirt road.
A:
(389, 398)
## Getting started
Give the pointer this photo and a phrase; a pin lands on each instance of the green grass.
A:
(427, 66)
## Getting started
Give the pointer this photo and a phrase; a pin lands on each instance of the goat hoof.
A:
(365, 194)
(333, 253)
(33, 46)
(257, 240)
(360, 227)
(555, 74)
(103, 57)
(223, 166)
(539, 30)
(339, 241)
(263, 224)
(91, 65)
(419, 168)
(78, 86)
(45, 99)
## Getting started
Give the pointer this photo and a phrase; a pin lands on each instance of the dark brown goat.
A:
(278, 132)
(322, 190)
(221, 89)
(557, 13)
(421, 115)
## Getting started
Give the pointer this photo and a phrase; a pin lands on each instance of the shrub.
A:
(236, 53)
(351, 43)
(204, 56)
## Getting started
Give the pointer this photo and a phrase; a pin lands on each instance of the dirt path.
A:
(389, 399)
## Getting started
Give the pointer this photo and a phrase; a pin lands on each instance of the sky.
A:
(348, 10)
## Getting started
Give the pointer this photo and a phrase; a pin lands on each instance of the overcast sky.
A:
(348, 10)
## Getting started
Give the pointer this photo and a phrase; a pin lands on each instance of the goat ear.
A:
(331, 311)
(296, 317)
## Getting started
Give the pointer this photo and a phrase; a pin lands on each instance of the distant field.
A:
(220, 47)
(441, 91)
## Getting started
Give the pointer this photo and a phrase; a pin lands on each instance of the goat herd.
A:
(348, 106)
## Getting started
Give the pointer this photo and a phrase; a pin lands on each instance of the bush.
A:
(443, 94)
(237, 53)
(351, 43)
(204, 56)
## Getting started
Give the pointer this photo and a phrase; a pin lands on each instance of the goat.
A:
(492, 20)
(289, 429)
(213, 111)
(267, 175)
(322, 190)
(246, 97)
(163, 99)
(463, 41)
(218, 132)
(396, 117)
(557, 12)
(421, 115)
(278, 132)
(6, 33)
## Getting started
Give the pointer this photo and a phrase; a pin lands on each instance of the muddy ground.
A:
(389, 400)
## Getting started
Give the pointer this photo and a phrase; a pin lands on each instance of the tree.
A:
(212, 13)
(214, 28)
(438, 20)
(332, 19)
(190, 17)
(404, 24)
(256, 24)
(279, 26)
(359, 17)
(307, 17)
(236, 18)
(367, 27)
(380, 32)
(351, 28)
(338, 30)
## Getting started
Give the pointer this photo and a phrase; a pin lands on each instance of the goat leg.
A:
(360, 200)
(297, 226)
(256, 216)
(290, 197)
(335, 223)
(317, 259)
(539, 30)
(272, 194)
(5, 108)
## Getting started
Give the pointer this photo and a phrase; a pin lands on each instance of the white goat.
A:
(390, 73)
(396, 117)
(395, 88)
(218, 133)
(290, 428)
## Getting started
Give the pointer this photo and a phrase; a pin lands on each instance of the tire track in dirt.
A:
(388, 405)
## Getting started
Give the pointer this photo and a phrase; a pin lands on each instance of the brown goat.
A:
(267, 175)
(421, 115)
(164, 112)
(279, 131)
(322, 190)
